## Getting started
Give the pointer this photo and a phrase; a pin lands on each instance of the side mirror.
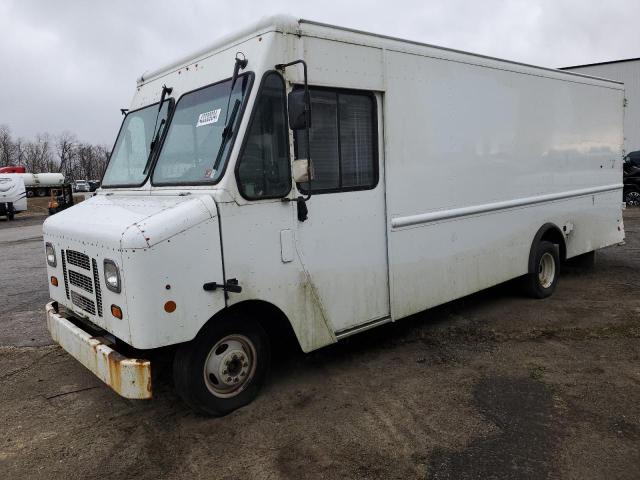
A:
(297, 103)
(302, 170)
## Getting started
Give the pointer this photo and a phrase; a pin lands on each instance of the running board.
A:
(362, 327)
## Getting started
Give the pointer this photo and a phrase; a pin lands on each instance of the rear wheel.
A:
(223, 368)
(542, 281)
(41, 192)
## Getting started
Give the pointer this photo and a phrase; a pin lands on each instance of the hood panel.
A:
(130, 221)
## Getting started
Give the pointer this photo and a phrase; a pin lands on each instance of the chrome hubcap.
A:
(546, 270)
(230, 366)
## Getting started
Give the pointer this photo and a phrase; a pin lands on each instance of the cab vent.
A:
(96, 282)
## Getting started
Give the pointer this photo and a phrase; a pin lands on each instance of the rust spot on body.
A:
(115, 372)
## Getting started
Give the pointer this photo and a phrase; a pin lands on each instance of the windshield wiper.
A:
(227, 132)
(152, 147)
(241, 64)
(156, 133)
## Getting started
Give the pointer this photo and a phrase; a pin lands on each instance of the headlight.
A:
(111, 275)
(51, 255)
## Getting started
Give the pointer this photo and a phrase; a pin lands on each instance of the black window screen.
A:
(264, 168)
(343, 139)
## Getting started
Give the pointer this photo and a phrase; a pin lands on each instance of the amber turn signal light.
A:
(170, 306)
(116, 311)
(54, 281)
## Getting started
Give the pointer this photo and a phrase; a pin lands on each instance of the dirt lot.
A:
(490, 386)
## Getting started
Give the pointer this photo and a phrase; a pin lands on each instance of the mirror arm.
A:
(307, 117)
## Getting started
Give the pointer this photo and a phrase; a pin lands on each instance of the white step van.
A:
(303, 178)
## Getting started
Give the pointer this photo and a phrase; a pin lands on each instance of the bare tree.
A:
(39, 155)
(63, 153)
(7, 147)
(65, 144)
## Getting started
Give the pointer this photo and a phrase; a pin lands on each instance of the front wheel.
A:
(632, 198)
(542, 281)
(223, 368)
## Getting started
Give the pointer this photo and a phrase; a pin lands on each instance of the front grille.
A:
(83, 302)
(78, 259)
(64, 274)
(96, 282)
(89, 284)
(81, 281)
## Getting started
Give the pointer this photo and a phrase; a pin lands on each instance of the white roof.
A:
(291, 24)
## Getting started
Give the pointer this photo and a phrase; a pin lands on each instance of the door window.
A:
(343, 139)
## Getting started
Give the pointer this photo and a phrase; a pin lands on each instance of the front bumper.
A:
(129, 377)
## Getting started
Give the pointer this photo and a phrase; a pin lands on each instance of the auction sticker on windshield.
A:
(208, 117)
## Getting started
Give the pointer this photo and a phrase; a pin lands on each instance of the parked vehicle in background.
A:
(94, 185)
(13, 170)
(13, 196)
(60, 199)
(252, 193)
(81, 186)
(40, 184)
(36, 184)
(632, 179)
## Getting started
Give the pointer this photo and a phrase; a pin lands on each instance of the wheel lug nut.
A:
(228, 379)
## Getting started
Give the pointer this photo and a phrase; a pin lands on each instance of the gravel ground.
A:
(490, 386)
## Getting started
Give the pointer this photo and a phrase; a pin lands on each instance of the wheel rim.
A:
(546, 270)
(230, 366)
(633, 199)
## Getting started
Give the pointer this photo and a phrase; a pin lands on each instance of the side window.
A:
(264, 169)
(343, 138)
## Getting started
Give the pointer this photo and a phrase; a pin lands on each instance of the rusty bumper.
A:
(129, 377)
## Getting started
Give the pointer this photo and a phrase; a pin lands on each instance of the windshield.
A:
(131, 151)
(196, 148)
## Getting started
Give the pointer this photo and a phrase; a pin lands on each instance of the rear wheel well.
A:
(549, 233)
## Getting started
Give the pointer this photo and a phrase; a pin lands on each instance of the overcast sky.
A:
(71, 65)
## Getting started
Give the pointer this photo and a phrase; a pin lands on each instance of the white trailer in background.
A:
(436, 173)
(13, 197)
(40, 184)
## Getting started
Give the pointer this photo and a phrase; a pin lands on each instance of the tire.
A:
(11, 213)
(632, 198)
(41, 192)
(29, 193)
(542, 282)
(234, 346)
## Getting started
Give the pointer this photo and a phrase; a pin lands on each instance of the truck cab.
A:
(194, 238)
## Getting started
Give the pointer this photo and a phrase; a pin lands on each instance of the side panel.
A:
(461, 136)
(262, 252)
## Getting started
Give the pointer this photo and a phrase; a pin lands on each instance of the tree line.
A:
(62, 153)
